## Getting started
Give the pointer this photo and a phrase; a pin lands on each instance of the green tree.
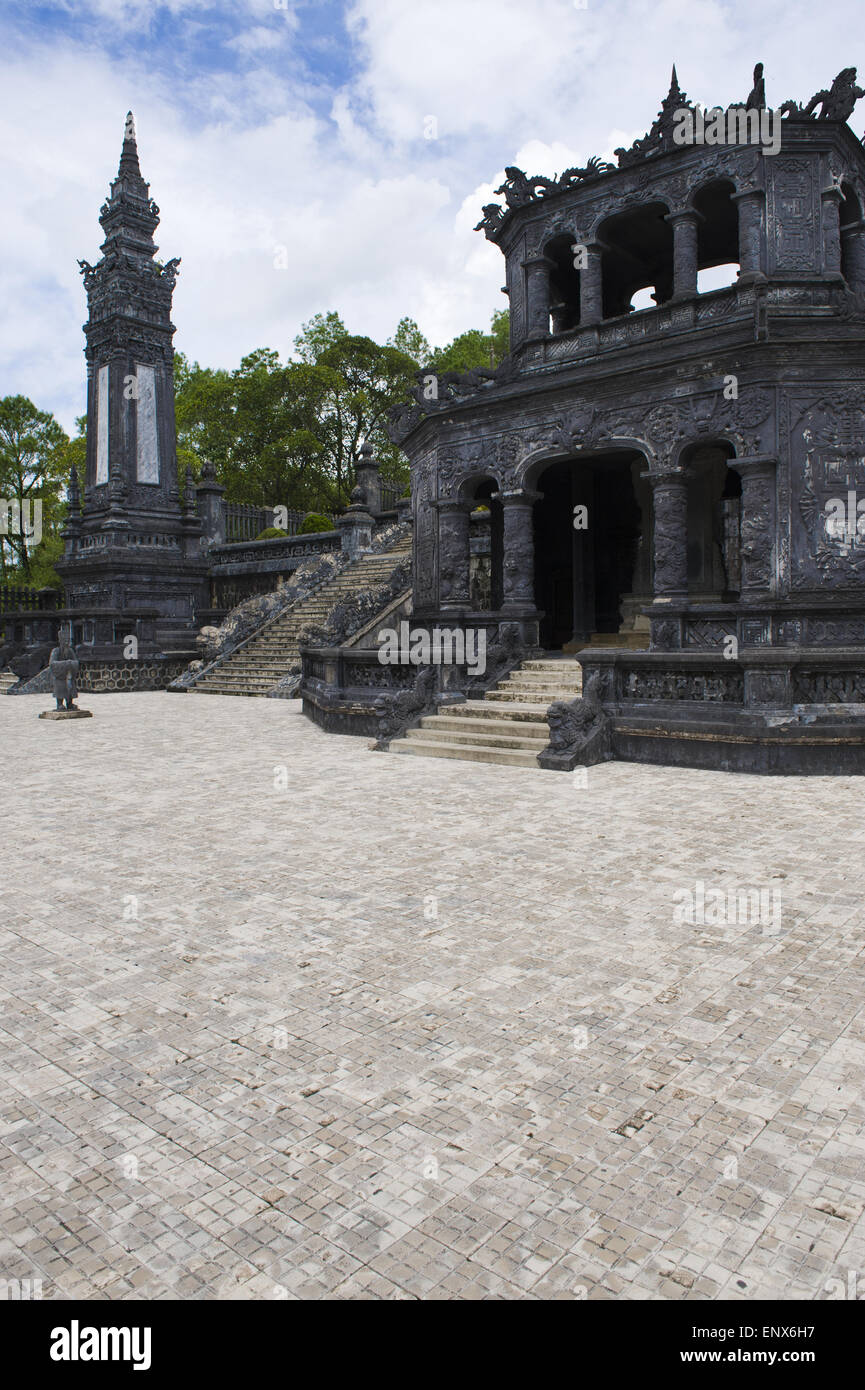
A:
(409, 339)
(360, 380)
(474, 348)
(34, 468)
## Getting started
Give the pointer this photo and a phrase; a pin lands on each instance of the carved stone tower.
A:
(133, 554)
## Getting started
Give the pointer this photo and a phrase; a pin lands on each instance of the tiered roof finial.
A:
(129, 167)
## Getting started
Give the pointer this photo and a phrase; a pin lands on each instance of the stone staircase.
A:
(509, 725)
(7, 680)
(257, 666)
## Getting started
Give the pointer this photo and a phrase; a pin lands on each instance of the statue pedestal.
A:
(66, 714)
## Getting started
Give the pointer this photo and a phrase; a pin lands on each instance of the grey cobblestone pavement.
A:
(285, 1018)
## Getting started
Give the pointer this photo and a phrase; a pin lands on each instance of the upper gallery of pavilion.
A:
(708, 202)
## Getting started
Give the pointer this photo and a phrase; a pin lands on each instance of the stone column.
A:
(210, 505)
(518, 544)
(685, 224)
(757, 526)
(670, 534)
(368, 479)
(853, 249)
(454, 555)
(830, 202)
(752, 221)
(591, 285)
(538, 296)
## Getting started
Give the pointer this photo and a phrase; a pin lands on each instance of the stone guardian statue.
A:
(63, 665)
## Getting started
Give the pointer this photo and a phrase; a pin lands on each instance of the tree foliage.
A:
(289, 433)
(35, 458)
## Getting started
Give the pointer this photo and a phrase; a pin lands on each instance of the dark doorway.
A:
(584, 575)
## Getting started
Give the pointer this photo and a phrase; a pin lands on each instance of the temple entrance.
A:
(591, 580)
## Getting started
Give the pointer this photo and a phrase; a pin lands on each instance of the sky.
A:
(310, 155)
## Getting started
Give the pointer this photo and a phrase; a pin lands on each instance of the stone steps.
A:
(259, 665)
(524, 730)
(7, 680)
(508, 726)
(512, 757)
(481, 736)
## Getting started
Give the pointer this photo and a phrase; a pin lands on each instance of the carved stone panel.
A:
(794, 215)
(827, 446)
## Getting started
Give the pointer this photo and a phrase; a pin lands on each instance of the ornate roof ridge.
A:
(836, 104)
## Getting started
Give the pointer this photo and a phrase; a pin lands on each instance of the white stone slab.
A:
(102, 426)
(148, 442)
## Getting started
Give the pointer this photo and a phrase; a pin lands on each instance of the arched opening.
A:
(637, 256)
(850, 217)
(593, 566)
(564, 284)
(714, 506)
(717, 236)
(486, 526)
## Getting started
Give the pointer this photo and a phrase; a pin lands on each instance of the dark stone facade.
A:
(708, 439)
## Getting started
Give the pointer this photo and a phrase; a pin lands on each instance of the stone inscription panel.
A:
(102, 426)
(148, 441)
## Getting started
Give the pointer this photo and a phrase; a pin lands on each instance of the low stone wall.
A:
(111, 676)
(114, 677)
(794, 711)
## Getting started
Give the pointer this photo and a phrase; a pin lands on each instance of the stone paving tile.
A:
(418, 1029)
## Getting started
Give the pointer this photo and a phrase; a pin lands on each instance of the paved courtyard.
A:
(285, 1018)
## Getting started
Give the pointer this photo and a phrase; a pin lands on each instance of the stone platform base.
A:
(799, 747)
(66, 714)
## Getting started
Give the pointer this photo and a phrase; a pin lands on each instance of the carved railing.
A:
(272, 555)
(15, 598)
(717, 306)
(391, 492)
(244, 522)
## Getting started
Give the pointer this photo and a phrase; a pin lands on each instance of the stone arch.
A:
(480, 494)
(530, 468)
(591, 514)
(714, 491)
(713, 202)
(564, 282)
(636, 255)
(467, 488)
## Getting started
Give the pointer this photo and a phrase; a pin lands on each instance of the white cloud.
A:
(261, 39)
(377, 222)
